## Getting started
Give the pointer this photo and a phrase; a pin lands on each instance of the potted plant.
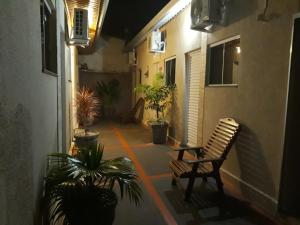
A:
(109, 94)
(87, 108)
(157, 98)
(80, 188)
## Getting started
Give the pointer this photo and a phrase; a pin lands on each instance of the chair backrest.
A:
(222, 138)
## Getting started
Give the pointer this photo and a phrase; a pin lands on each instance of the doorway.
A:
(193, 93)
(290, 182)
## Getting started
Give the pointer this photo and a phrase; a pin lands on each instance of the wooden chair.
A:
(136, 114)
(208, 159)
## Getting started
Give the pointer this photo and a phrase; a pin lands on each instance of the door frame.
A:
(186, 98)
(282, 185)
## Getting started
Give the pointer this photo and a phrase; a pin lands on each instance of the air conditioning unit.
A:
(80, 30)
(132, 58)
(205, 14)
(156, 41)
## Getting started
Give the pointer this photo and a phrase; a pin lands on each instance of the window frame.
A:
(208, 68)
(48, 4)
(167, 60)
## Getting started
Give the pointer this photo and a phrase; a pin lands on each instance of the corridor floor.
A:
(163, 203)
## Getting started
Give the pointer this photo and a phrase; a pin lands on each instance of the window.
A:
(49, 39)
(170, 66)
(163, 39)
(224, 62)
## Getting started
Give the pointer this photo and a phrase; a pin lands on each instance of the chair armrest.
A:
(197, 150)
(202, 160)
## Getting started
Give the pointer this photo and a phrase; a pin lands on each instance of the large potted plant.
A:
(109, 93)
(87, 108)
(157, 97)
(80, 189)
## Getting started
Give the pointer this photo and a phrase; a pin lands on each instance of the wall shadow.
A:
(206, 206)
(237, 10)
(172, 116)
(16, 165)
(253, 166)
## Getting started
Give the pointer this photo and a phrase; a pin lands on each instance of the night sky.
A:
(125, 18)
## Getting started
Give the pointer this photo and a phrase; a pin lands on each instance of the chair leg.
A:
(173, 181)
(189, 188)
(219, 183)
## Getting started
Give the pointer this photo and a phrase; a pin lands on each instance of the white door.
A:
(193, 82)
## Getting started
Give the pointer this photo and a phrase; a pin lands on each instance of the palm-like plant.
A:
(110, 92)
(80, 188)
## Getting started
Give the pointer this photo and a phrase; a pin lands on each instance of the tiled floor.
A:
(163, 203)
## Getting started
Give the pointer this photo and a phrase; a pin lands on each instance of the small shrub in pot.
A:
(87, 106)
(157, 98)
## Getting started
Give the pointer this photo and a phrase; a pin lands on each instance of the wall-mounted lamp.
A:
(146, 74)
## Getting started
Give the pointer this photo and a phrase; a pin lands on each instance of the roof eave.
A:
(164, 16)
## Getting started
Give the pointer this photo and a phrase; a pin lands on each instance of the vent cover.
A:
(205, 14)
(80, 31)
(156, 41)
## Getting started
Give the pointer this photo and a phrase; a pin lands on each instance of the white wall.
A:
(28, 112)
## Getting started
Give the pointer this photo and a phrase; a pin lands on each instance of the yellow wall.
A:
(74, 88)
(180, 40)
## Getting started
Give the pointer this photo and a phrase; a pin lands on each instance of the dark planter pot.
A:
(159, 133)
(90, 206)
(83, 140)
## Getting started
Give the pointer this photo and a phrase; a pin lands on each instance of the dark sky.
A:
(125, 18)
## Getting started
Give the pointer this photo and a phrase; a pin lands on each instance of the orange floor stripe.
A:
(169, 219)
(159, 176)
(110, 147)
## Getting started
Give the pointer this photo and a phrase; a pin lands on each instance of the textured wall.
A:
(108, 56)
(259, 100)
(28, 112)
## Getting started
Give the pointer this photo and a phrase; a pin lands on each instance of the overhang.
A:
(96, 14)
(164, 16)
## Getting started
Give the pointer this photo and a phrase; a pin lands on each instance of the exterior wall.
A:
(70, 84)
(90, 80)
(180, 40)
(74, 86)
(29, 112)
(108, 62)
(258, 102)
(108, 56)
(253, 167)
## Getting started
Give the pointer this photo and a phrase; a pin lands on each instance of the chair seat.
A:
(183, 169)
(208, 159)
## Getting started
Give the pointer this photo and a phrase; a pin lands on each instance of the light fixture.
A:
(209, 27)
